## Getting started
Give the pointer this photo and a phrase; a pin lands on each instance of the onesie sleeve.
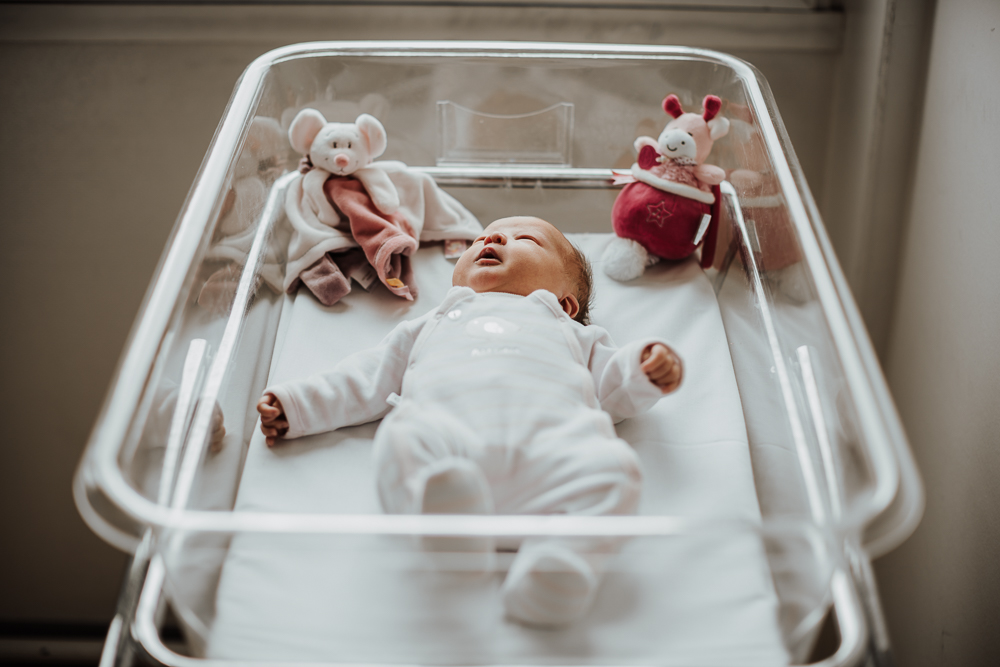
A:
(622, 388)
(355, 391)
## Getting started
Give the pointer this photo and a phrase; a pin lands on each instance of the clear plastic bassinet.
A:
(503, 127)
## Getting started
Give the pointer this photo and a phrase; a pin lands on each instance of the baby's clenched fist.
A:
(662, 366)
(273, 422)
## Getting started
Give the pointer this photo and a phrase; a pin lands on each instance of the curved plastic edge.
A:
(850, 619)
(844, 600)
(152, 322)
(897, 503)
(107, 531)
(885, 530)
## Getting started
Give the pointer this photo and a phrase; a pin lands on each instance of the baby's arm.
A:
(631, 379)
(354, 392)
(710, 174)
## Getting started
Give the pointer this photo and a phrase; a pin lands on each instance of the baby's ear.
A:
(373, 133)
(304, 129)
(570, 305)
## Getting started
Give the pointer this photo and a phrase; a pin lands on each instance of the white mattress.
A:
(700, 600)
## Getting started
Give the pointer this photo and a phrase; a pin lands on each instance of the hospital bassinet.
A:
(768, 492)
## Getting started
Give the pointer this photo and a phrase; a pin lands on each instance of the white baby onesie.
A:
(531, 385)
(505, 388)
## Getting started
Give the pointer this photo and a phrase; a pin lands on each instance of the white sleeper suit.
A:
(504, 405)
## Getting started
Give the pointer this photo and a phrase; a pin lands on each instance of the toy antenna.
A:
(712, 104)
(672, 105)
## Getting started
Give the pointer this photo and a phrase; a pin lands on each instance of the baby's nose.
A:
(498, 238)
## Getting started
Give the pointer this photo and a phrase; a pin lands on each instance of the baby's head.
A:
(522, 254)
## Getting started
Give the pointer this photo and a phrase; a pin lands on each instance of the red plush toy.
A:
(671, 202)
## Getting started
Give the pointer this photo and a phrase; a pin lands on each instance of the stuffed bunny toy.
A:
(671, 200)
(343, 149)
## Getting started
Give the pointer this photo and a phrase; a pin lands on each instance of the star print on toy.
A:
(658, 213)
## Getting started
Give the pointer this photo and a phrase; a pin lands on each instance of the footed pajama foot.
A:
(548, 586)
(460, 488)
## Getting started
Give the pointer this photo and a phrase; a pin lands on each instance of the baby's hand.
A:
(273, 422)
(218, 427)
(662, 366)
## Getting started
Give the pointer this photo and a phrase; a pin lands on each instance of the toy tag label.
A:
(705, 219)
(454, 248)
(364, 274)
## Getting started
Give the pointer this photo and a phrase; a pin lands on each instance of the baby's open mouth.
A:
(488, 257)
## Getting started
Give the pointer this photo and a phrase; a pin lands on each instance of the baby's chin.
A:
(478, 286)
(479, 279)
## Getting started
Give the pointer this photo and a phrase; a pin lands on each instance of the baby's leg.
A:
(425, 463)
(577, 468)
(552, 582)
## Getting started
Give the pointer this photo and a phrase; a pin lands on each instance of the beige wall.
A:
(868, 172)
(941, 589)
(101, 145)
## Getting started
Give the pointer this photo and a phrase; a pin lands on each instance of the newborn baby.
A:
(505, 399)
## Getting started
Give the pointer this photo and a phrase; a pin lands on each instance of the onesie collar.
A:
(550, 301)
(461, 293)
(455, 294)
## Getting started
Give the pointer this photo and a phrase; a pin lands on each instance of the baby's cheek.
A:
(459, 277)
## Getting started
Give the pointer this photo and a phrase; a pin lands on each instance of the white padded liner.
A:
(697, 600)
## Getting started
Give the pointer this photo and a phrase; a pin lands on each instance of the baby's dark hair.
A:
(582, 278)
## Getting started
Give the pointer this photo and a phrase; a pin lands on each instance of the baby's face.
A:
(518, 256)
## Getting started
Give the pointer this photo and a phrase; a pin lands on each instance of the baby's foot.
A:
(548, 586)
(460, 489)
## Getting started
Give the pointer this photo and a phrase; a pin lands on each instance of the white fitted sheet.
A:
(697, 600)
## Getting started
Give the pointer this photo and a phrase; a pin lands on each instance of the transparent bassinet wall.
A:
(507, 129)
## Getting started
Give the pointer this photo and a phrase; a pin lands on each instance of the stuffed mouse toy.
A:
(344, 149)
(355, 220)
(342, 201)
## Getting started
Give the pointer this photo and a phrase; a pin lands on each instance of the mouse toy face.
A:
(339, 148)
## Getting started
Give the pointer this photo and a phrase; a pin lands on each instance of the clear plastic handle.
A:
(543, 137)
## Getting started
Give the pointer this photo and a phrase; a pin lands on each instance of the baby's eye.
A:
(480, 239)
(529, 238)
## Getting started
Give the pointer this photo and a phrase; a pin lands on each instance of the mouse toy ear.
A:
(374, 134)
(672, 105)
(304, 129)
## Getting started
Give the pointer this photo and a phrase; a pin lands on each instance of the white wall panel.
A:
(941, 589)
